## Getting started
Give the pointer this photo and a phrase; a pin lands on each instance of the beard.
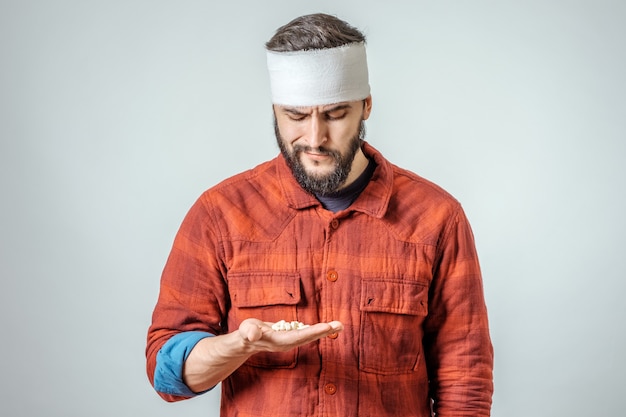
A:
(326, 184)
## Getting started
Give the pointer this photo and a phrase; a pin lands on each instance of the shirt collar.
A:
(373, 201)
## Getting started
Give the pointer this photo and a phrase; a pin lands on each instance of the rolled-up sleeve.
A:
(168, 374)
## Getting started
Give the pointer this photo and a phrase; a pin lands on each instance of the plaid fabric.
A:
(398, 268)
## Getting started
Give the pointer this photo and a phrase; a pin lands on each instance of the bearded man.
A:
(378, 263)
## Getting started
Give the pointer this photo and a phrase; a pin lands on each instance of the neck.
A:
(343, 198)
(359, 164)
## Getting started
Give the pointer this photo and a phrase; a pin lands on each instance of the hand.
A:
(259, 335)
(214, 358)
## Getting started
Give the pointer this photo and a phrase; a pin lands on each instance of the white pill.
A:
(287, 326)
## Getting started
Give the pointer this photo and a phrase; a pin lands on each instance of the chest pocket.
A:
(392, 313)
(267, 296)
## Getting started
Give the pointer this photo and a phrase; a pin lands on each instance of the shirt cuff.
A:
(168, 374)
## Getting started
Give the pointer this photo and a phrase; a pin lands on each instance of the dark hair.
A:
(314, 31)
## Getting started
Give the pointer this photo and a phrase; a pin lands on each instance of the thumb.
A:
(250, 331)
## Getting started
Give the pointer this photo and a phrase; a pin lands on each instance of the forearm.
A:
(213, 359)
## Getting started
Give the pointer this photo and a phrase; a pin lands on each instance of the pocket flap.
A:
(256, 289)
(399, 297)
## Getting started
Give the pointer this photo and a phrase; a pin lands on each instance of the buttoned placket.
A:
(330, 387)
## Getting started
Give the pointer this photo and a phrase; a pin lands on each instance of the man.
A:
(379, 262)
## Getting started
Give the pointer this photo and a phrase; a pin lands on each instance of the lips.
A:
(317, 156)
(312, 152)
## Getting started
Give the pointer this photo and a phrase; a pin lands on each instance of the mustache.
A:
(297, 149)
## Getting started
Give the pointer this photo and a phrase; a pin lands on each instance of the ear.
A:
(367, 107)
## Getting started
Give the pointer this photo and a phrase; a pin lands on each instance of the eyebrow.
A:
(338, 107)
(299, 112)
(293, 110)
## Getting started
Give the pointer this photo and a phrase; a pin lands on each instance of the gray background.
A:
(116, 115)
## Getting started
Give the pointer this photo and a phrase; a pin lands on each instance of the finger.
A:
(254, 333)
(251, 330)
(336, 326)
(317, 331)
(330, 327)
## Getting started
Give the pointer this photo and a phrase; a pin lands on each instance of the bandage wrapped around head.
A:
(319, 76)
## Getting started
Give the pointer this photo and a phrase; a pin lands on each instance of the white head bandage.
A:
(319, 76)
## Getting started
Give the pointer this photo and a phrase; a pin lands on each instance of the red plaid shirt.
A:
(398, 268)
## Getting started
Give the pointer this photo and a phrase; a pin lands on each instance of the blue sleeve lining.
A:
(168, 374)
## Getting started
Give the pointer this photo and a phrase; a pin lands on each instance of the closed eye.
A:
(336, 115)
(296, 118)
(295, 115)
(337, 112)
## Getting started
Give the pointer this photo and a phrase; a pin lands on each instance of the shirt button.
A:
(332, 276)
(334, 223)
(330, 389)
(333, 335)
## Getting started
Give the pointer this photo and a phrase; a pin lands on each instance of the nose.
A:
(318, 132)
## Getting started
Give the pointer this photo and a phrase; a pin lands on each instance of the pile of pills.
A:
(288, 325)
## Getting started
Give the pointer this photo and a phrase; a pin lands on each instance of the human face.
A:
(322, 144)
